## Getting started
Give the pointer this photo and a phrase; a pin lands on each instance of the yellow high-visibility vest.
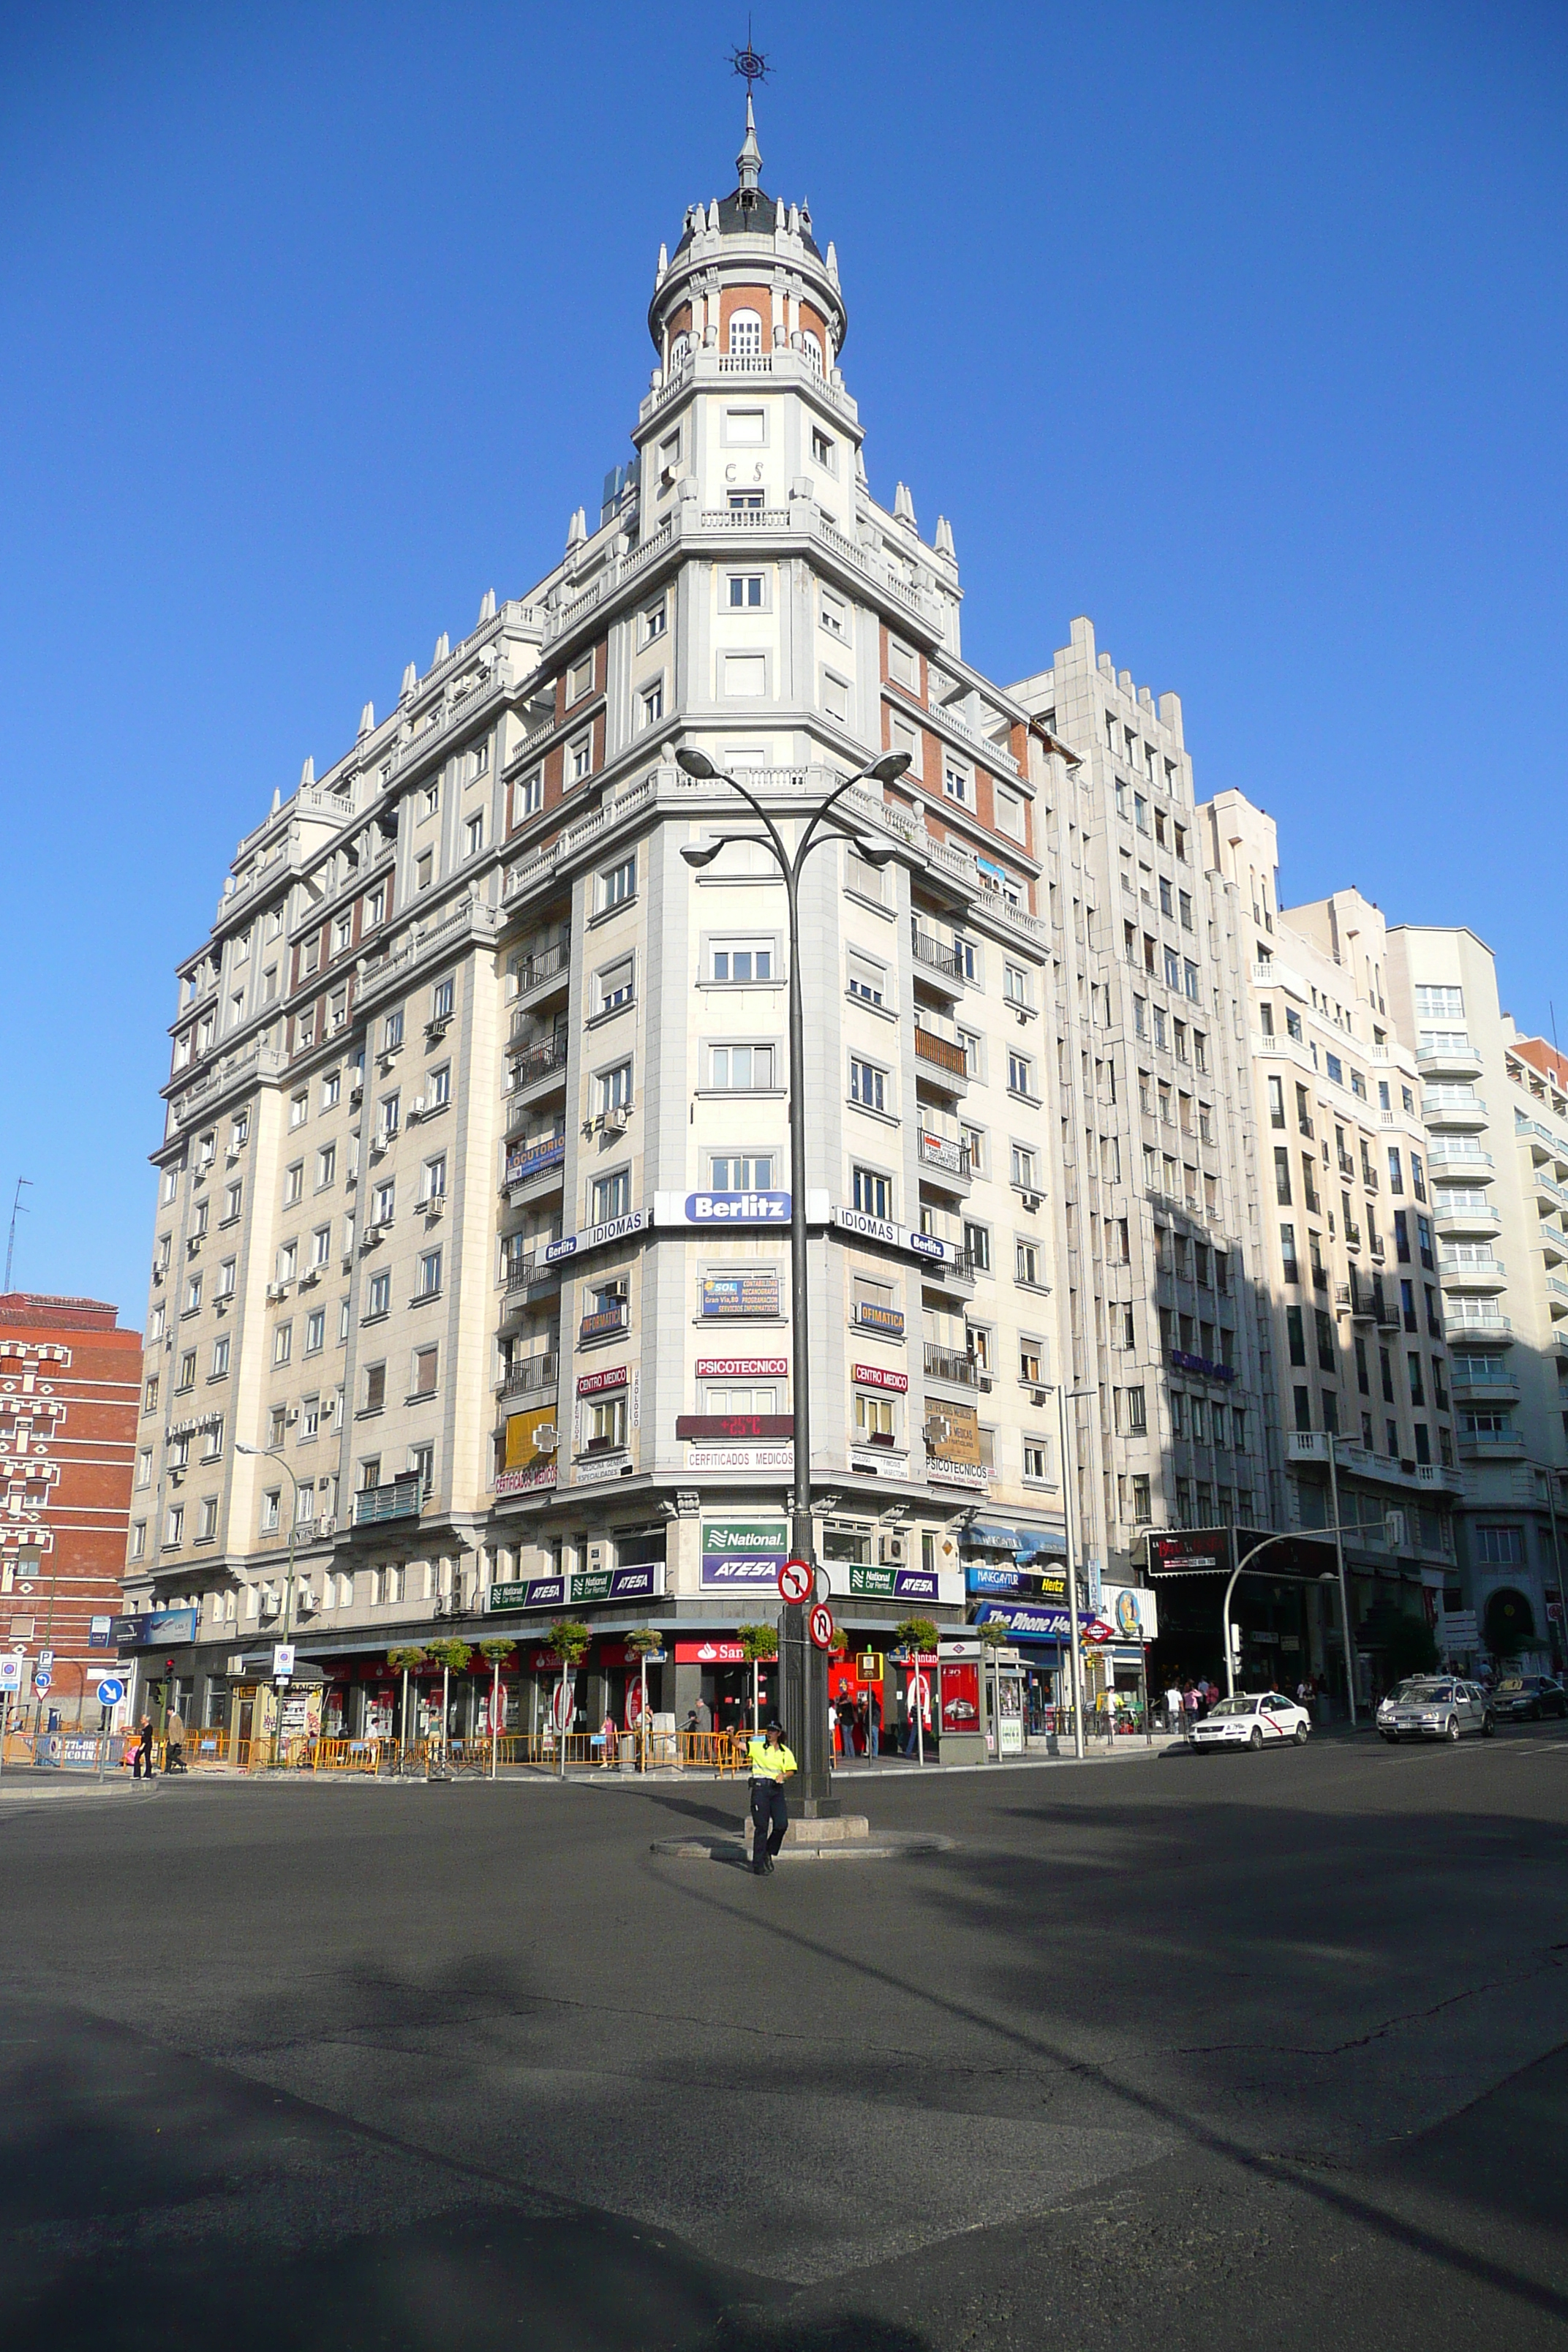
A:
(769, 1763)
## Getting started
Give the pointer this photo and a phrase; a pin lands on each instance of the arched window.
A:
(679, 351)
(745, 335)
(812, 346)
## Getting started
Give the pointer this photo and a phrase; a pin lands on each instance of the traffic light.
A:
(168, 1669)
(1235, 1633)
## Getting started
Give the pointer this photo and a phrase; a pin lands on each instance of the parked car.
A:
(1525, 1698)
(1253, 1719)
(1435, 1707)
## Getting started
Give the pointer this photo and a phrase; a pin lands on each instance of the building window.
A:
(739, 1069)
(1020, 1075)
(748, 1171)
(619, 883)
(740, 960)
(611, 1197)
(438, 1087)
(429, 1281)
(745, 342)
(529, 795)
(614, 984)
(424, 1368)
(378, 1296)
(744, 592)
(872, 1194)
(867, 1085)
(834, 614)
(423, 870)
(474, 836)
(655, 620)
(1026, 1263)
(614, 1088)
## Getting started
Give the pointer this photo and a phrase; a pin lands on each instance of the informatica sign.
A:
(743, 1554)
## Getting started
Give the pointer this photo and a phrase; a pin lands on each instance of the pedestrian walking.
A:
(142, 1769)
(770, 1766)
(173, 1742)
(1173, 1708)
(874, 1724)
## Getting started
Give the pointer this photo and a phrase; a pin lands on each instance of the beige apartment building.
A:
(471, 1245)
(1350, 1265)
(1497, 1108)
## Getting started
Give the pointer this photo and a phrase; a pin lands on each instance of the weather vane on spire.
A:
(749, 63)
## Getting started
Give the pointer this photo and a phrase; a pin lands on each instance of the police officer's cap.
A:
(773, 1724)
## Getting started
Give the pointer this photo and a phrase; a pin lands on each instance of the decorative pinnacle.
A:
(753, 68)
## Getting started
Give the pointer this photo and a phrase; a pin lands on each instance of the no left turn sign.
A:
(796, 1581)
(820, 1625)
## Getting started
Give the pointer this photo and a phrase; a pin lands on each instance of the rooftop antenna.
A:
(18, 1209)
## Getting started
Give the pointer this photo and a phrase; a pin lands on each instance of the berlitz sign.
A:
(737, 1208)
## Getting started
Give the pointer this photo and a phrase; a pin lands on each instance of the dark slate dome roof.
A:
(757, 218)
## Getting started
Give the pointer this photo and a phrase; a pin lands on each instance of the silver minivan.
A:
(1435, 1707)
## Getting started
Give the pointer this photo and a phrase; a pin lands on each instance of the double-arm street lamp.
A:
(803, 1668)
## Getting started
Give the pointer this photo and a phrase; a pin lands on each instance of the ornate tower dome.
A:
(747, 279)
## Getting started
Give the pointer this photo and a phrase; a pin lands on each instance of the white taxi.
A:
(1252, 1720)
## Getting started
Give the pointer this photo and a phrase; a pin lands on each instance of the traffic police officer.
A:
(770, 1766)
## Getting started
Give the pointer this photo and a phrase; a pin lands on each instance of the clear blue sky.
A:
(1239, 328)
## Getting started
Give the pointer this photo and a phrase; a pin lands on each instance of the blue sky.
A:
(1241, 329)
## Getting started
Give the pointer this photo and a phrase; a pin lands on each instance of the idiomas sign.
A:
(743, 1554)
(594, 1237)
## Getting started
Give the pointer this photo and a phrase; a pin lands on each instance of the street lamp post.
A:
(803, 1675)
(1329, 1576)
(1066, 1396)
(265, 1454)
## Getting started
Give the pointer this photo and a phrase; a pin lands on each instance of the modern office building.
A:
(69, 1381)
(469, 1265)
(1497, 1108)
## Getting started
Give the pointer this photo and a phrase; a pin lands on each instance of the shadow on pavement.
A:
(463, 2280)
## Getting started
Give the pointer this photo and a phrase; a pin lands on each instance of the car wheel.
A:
(1488, 1723)
(1300, 1735)
(1256, 1738)
(1451, 1728)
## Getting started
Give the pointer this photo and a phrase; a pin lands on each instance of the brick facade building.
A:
(68, 1389)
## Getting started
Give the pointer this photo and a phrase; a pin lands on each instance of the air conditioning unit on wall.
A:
(892, 1550)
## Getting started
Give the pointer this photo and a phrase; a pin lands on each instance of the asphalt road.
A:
(1213, 2051)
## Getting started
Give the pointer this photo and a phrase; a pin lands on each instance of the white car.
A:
(1254, 1719)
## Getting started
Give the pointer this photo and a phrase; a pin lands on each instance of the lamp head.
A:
(891, 764)
(872, 852)
(702, 853)
(696, 763)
